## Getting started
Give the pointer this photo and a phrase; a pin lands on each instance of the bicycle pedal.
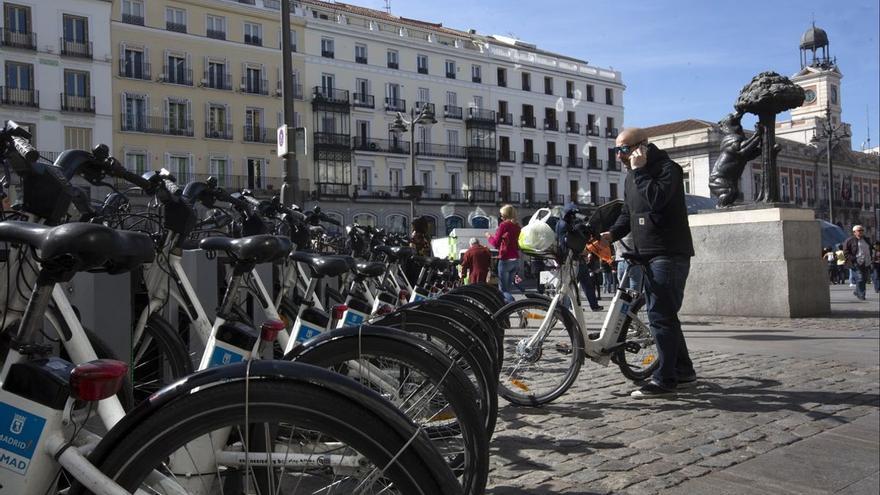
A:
(632, 347)
(564, 348)
(593, 335)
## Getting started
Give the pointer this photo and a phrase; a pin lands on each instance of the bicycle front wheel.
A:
(638, 357)
(311, 440)
(543, 352)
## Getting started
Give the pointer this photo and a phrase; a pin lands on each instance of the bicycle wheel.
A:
(638, 357)
(421, 381)
(536, 374)
(324, 441)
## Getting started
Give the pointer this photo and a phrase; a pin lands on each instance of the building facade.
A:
(802, 160)
(56, 59)
(197, 89)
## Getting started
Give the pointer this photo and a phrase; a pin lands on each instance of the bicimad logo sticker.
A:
(17, 424)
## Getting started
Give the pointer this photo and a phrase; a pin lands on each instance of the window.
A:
(530, 188)
(569, 89)
(362, 92)
(76, 29)
(360, 53)
(594, 192)
(133, 12)
(135, 113)
(253, 34)
(797, 189)
(178, 165)
(609, 96)
(476, 73)
(451, 98)
(217, 125)
(478, 102)
(76, 91)
(526, 81)
(426, 181)
(219, 168)
(612, 158)
(365, 219)
(136, 162)
(552, 190)
(783, 186)
(77, 138)
(253, 80)
(19, 76)
(132, 64)
(394, 175)
(452, 137)
(613, 191)
(175, 20)
(363, 178)
(397, 224)
(450, 69)
(590, 93)
(253, 123)
(176, 71)
(392, 57)
(548, 85)
(327, 47)
(216, 75)
(256, 173)
(216, 27)
(505, 187)
(178, 117)
(502, 77)
(454, 183)
(810, 195)
(18, 23)
(422, 64)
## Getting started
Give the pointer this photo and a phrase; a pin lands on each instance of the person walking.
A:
(506, 241)
(841, 265)
(655, 212)
(831, 262)
(584, 277)
(875, 262)
(475, 262)
(857, 250)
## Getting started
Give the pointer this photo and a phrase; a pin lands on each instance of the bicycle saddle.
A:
(253, 249)
(396, 253)
(369, 268)
(92, 246)
(323, 266)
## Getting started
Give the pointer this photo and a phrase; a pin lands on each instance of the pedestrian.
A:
(857, 250)
(841, 265)
(506, 241)
(608, 276)
(875, 262)
(655, 212)
(420, 241)
(831, 262)
(584, 277)
(621, 247)
(475, 262)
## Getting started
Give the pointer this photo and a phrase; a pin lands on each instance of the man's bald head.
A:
(631, 136)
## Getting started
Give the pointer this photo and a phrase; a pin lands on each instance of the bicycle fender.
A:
(531, 295)
(301, 352)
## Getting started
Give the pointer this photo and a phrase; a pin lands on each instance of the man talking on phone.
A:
(655, 213)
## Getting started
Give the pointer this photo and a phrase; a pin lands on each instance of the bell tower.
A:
(819, 76)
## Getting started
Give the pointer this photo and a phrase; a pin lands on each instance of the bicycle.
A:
(546, 343)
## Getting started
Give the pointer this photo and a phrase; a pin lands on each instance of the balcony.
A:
(481, 195)
(176, 27)
(451, 112)
(18, 39)
(424, 104)
(422, 70)
(214, 80)
(137, 20)
(481, 115)
(74, 103)
(395, 105)
(441, 150)
(551, 125)
(531, 199)
(254, 134)
(594, 163)
(477, 79)
(360, 143)
(531, 158)
(134, 71)
(527, 121)
(505, 118)
(507, 156)
(393, 65)
(361, 100)
(574, 162)
(379, 192)
(156, 125)
(255, 86)
(80, 49)
(450, 75)
(253, 40)
(572, 128)
(327, 54)
(480, 153)
(592, 130)
(175, 75)
(216, 34)
(272, 4)
(332, 190)
(611, 132)
(360, 60)
(332, 140)
(218, 131)
(613, 166)
(553, 160)
(19, 97)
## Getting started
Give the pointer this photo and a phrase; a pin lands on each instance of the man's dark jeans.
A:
(664, 291)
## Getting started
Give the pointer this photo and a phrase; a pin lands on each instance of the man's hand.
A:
(605, 239)
(638, 158)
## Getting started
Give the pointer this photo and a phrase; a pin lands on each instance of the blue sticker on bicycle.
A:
(19, 433)
(353, 319)
(624, 308)
(306, 332)
(221, 357)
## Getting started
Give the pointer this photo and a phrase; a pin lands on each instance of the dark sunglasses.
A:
(626, 148)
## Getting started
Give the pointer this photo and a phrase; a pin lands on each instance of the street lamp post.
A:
(424, 117)
(831, 136)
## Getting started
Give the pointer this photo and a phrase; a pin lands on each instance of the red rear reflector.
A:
(97, 380)
(339, 310)
(269, 330)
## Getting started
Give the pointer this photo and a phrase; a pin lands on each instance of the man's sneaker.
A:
(687, 381)
(597, 308)
(651, 389)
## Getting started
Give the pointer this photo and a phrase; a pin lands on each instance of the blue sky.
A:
(684, 58)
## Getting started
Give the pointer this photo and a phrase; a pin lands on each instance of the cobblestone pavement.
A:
(596, 439)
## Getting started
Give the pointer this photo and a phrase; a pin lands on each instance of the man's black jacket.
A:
(851, 251)
(654, 209)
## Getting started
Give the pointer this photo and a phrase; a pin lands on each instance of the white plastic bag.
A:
(537, 235)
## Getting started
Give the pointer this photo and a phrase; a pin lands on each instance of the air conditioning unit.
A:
(243, 86)
(204, 82)
(279, 92)
(215, 134)
(161, 78)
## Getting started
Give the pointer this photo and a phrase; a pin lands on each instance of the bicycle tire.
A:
(415, 359)
(561, 352)
(321, 411)
(463, 348)
(483, 318)
(636, 365)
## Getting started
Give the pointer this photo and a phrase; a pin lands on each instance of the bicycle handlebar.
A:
(26, 150)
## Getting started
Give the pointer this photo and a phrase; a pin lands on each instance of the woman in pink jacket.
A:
(506, 240)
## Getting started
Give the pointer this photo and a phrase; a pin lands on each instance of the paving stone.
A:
(725, 460)
(618, 481)
(711, 449)
(807, 430)
(693, 471)
(658, 468)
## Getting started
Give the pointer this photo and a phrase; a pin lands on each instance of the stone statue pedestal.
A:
(757, 262)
